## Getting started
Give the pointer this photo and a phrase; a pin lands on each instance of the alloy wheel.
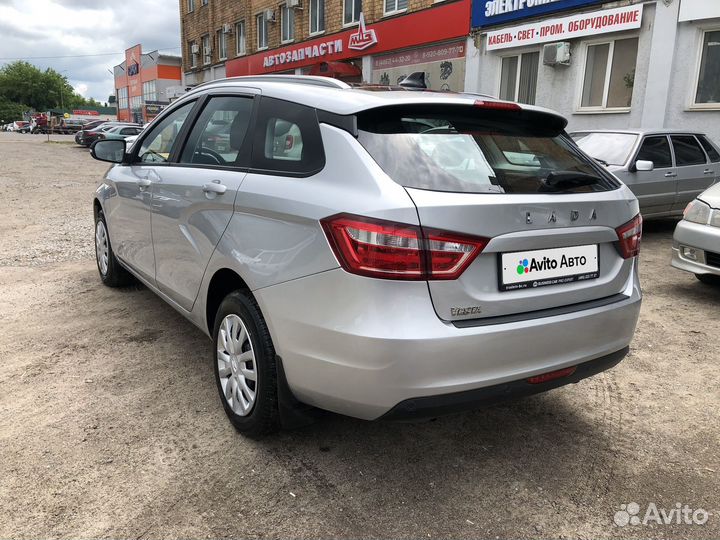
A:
(237, 367)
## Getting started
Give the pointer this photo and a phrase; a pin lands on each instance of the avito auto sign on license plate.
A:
(542, 267)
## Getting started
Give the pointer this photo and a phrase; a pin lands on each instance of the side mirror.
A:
(111, 150)
(644, 165)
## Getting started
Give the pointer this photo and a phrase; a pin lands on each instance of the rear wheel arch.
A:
(97, 207)
(223, 282)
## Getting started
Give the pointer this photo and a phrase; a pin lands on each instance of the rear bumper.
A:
(433, 406)
(360, 346)
(704, 239)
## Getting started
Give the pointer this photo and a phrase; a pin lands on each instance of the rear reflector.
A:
(629, 236)
(551, 376)
(385, 249)
(498, 105)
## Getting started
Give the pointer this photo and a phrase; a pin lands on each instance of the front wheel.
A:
(245, 366)
(111, 272)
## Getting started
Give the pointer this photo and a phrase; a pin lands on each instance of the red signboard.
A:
(80, 112)
(133, 57)
(440, 23)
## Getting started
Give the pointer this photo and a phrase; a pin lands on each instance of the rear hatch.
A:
(548, 214)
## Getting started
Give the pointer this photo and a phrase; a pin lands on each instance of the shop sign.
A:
(153, 110)
(363, 38)
(490, 12)
(442, 22)
(82, 112)
(564, 28)
(299, 54)
(359, 41)
(420, 56)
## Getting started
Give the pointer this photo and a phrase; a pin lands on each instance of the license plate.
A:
(543, 267)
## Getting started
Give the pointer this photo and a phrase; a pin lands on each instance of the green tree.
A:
(10, 111)
(23, 83)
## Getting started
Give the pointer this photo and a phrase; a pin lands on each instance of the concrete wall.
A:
(682, 82)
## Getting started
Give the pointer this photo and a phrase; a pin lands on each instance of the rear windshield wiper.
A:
(563, 180)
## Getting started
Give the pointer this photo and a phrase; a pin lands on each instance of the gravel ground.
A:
(110, 424)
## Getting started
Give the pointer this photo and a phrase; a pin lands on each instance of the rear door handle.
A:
(670, 175)
(215, 187)
(708, 171)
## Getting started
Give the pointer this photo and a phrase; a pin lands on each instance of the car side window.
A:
(687, 150)
(657, 150)
(287, 138)
(157, 146)
(220, 132)
(712, 152)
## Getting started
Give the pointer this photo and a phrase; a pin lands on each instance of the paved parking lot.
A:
(110, 423)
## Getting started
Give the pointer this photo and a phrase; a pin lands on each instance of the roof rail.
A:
(312, 80)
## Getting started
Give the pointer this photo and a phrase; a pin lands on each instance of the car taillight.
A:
(629, 236)
(497, 105)
(385, 249)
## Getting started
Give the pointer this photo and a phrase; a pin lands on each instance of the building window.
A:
(122, 98)
(149, 91)
(240, 42)
(192, 53)
(351, 11)
(136, 103)
(518, 77)
(262, 30)
(393, 6)
(191, 5)
(287, 22)
(222, 44)
(317, 16)
(609, 75)
(206, 49)
(707, 92)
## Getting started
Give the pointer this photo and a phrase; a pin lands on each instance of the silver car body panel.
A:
(703, 239)
(358, 345)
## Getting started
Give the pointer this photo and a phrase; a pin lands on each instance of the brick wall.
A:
(211, 17)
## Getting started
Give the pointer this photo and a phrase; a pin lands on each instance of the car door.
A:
(194, 199)
(654, 189)
(713, 169)
(691, 163)
(129, 213)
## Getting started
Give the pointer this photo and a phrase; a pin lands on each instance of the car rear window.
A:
(476, 150)
(709, 148)
(609, 148)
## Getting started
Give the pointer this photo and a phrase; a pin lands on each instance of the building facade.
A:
(145, 83)
(604, 65)
(379, 41)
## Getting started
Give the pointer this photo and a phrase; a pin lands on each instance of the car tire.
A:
(243, 350)
(111, 272)
(708, 279)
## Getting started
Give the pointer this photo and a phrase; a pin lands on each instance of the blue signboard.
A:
(492, 12)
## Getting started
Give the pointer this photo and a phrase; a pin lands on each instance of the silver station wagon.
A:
(372, 251)
(665, 169)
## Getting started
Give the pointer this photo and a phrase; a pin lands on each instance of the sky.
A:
(73, 29)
